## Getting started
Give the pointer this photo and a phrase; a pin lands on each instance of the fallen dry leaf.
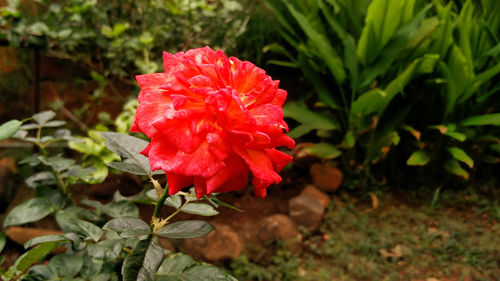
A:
(435, 231)
(374, 200)
(396, 252)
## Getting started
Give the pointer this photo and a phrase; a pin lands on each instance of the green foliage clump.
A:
(413, 77)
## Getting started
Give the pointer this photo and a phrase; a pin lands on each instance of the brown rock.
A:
(222, 243)
(326, 177)
(319, 195)
(277, 227)
(306, 211)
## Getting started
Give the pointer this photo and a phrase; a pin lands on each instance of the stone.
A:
(221, 244)
(258, 237)
(306, 211)
(326, 177)
(319, 195)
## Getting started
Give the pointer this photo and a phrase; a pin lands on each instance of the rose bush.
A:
(211, 120)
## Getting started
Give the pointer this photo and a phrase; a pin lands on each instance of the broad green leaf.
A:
(173, 201)
(44, 272)
(127, 167)
(376, 100)
(30, 257)
(456, 135)
(309, 120)
(128, 148)
(453, 166)
(90, 267)
(418, 158)
(461, 156)
(186, 229)
(144, 261)
(180, 267)
(43, 117)
(106, 250)
(324, 150)
(114, 209)
(54, 123)
(32, 210)
(2, 241)
(45, 238)
(57, 198)
(128, 226)
(71, 223)
(391, 51)
(141, 198)
(66, 265)
(175, 264)
(199, 209)
(9, 128)
(482, 120)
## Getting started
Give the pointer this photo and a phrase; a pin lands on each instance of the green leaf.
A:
(173, 201)
(29, 211)
(45, 238)
(144, 261)
(186, 229)
(324, 150)
(43, 117)
(2, 241)
(57, 198)
(309, 120)
(128, 167)
(180, 267)
(199, 209)
(66, 265)
(71, 223)
(9, 128)
(30, 257)
(453, 166)
(43, 272)
(114, 209)
(55, 123)
(376, 100)
(205, 272)
(129, 149)
(461, 156)
(482, 120)
(107, 250)
(418, 158)
(141, 198)
(175, 264)
(90, 267)
(128, 226)
(325, 49)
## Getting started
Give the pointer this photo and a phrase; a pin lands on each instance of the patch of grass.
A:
(455, 236)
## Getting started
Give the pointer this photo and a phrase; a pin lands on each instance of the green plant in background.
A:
(112, 40)
(104, 241)
(379, 67)
(93, 148)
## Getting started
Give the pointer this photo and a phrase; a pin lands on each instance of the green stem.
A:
(177, 211)
(160, 202)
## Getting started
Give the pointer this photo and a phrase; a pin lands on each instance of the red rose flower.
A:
(211, 120)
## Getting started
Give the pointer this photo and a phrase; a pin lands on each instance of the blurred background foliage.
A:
(392, 91)
(395, 84)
